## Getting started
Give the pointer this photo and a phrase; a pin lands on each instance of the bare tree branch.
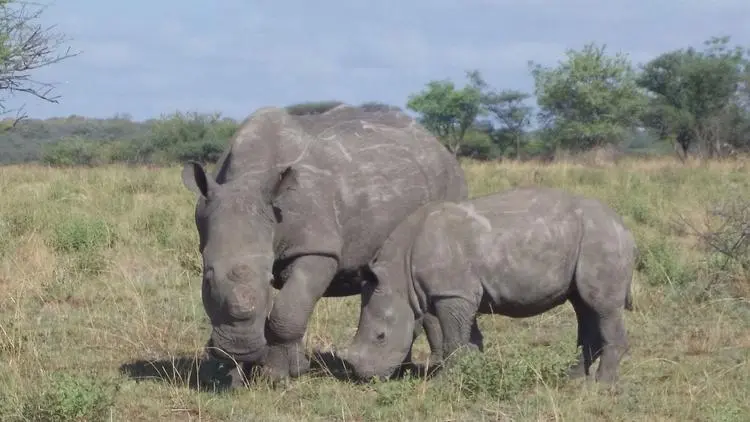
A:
(26, 46)
(729, 237)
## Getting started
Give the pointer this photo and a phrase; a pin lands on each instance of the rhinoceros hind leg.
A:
(434, 338)
(476, 338)
(612, 328)
(589, 338)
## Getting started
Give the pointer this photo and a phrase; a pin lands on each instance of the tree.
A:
(449, 112)
(589, 99)
(25, 46)
(698, 97)
(508, 108)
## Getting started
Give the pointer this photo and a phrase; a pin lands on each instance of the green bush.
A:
(500, 377)
(72, 151)
(70, 398)
(82, 234)
(206, 151)
(136, 151)
(187, 128)
(158, 223)
(82, 238)
(177, 137)
(663, 263)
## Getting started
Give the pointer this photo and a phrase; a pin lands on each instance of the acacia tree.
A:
(26, 46)
(698, 97)
(448, 112)
(589, 99)
(508, 108)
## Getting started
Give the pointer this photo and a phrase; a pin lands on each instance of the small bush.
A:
(83, 237)
(486, 375)
(144, 183)
(72, 152)
(191, 136)
(70, 398)
(662, 263)
(204, 151)
(82, 234)
(136, 151)
(18, 222)
(726, 240)
(158, 223)
(63, 192)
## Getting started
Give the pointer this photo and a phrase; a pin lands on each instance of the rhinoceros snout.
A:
(256, 354)
(352, 361)
(358, 365)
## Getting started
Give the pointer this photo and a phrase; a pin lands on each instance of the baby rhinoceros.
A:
(517, 253)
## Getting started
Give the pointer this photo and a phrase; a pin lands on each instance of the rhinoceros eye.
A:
(381, 336)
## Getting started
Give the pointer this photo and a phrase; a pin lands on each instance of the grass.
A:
(101, 317)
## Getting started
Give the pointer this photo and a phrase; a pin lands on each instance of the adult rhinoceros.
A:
(302, 203)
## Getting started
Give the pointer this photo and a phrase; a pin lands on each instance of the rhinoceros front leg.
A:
(287, 322)
(458, 325)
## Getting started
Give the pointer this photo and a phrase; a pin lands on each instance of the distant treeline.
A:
(178, 137)
(688, 101)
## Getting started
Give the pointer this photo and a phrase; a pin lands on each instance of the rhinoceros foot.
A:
(286, 360)
(217, 375)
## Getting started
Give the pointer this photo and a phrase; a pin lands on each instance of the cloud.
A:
(239, 55)
(174, 36)
(113, 54)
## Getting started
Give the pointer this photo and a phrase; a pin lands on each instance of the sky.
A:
(149, 58)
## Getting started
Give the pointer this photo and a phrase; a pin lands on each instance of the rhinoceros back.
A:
(384, 165)
(361, 172)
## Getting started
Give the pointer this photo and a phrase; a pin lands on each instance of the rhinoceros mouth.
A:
(218, 347)
(363, 372)
(366, 376)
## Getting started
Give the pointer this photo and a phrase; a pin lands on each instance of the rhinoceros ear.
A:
(287, 180)
(194, 178)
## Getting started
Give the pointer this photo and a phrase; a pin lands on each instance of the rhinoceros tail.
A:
(639, 266)
(629, 301)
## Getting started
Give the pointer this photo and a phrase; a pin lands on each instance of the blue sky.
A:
(147, 58)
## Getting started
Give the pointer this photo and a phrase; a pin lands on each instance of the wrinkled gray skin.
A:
(517, 253)
(302, 203)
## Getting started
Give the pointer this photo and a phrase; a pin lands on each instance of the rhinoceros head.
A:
(385, 332)
(235, 223)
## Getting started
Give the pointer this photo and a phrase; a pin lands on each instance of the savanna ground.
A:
(101, 317)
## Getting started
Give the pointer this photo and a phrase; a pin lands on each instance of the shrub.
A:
(662, 264)
(70, 398)
(726, 239)
(191, 136)
(82, 234)
(72, 151)
(486, 375)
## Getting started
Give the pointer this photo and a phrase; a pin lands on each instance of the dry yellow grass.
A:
(100, 311)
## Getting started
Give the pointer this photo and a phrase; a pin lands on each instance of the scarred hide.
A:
(517, 253)
(302, 203)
